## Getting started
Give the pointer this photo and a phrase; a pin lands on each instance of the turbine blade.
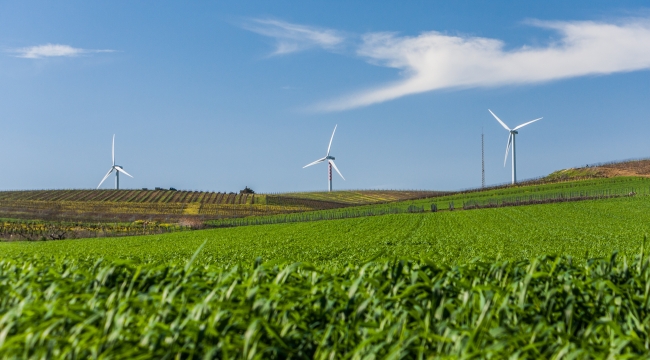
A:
(507, 149)
(332, 138)
(113, 149)
(105, 177)
(337, 169)
(122, 171)
(315, 162)
(499, 120)
(524, 124)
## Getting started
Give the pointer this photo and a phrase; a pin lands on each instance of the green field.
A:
(574, 228)
(621, 185)
(565, 191)
(549, 308)
(517, 281)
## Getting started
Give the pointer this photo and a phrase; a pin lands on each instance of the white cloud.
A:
(52, 50)
(293, 37)
(433, 60)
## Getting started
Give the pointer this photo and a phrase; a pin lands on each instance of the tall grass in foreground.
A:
(548, 307)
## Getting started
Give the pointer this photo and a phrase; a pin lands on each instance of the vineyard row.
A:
(130, 196)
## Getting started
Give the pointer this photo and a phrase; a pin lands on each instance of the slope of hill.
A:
(640, 167)
(365, 197)
(168, 205)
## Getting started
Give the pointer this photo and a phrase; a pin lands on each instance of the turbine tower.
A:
(482, 160)
(117, 168)
(330, 161)
(511, 141)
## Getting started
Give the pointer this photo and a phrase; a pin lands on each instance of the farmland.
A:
(549, 307)
(131, 196)
(591, 228)
(477, 198)
(178, 206)
(364, 197)
(31, 230)
(565, 278)
(169, 206)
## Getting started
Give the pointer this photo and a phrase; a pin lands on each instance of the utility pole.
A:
(482, 160)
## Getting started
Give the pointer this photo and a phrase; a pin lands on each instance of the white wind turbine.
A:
(117, 168)
(330, 161)
(511, 140)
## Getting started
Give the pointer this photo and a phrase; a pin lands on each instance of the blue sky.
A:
(216, 96)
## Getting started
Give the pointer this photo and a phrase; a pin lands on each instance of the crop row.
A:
(434, 205)
(234, 211)
(130, 196)
(41, 230)
(364, 197)
(546, 198)
(550, 307)
(110, 211)
(620, 185)
(586, 184)
(346, 213)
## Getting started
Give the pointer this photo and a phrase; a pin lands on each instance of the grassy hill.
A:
(639, 167)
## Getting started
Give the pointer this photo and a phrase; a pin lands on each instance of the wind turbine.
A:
(330, 161)
(511, 140)
(117, 168)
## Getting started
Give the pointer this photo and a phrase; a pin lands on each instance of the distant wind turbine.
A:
(511, 141)
(330, 161)
(117, 168)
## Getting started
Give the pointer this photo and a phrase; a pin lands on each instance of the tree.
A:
(247, 190)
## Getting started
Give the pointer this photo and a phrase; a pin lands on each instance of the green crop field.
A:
(548, 308)
(533, 281)
(596, 227)
(621, 185)
(504, 196)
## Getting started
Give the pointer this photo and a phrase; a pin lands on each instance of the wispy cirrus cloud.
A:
(53, 50)
(434, 61)
(292, 38)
